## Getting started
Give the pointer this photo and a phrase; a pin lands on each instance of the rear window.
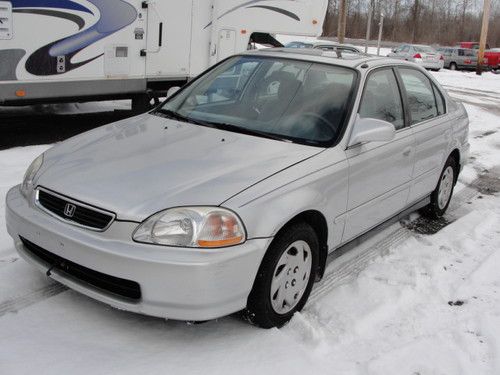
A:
(425, 49)
(420, 94)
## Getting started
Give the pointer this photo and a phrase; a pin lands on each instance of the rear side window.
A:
(421, 99)
(382, 99)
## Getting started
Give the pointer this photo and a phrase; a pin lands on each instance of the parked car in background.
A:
(298, 44)
(471, 45)
(493, 57)
(425, 56)
(456, 58)
(491, 54)
(332, 46)
(231, 194)
(325, 46)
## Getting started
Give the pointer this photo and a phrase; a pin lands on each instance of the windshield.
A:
(284, 99)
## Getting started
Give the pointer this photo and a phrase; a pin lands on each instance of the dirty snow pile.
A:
(418, 298)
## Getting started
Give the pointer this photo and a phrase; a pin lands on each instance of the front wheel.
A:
(441, 196)
(285, 277)
(453, 66)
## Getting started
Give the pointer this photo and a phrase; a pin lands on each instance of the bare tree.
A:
(444, 22)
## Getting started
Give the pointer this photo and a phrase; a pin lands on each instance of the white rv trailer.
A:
(77, 50)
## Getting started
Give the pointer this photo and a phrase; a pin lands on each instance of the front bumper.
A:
(175, 283)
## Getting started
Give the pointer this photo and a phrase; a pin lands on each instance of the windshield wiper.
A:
(222, 126)
(239, 129)
(177, 116)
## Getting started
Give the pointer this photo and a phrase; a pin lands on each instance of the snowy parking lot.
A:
(420, 297)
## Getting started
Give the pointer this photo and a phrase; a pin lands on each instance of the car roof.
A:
(351, 60)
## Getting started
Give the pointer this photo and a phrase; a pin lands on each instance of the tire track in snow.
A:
(21, 302)
(343, 271)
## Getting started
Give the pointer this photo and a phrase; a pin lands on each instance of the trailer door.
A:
(168, 39)
(227, 44)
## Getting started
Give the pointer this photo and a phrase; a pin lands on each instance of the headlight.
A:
(203, 227)
(30, 175)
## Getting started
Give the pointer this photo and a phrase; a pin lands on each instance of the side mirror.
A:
(171, 91)
(371, 130)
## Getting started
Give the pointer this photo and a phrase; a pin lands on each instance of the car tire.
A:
(453, 66)
(288, 268)
(441, 196)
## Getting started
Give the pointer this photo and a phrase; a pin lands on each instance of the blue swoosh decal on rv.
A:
(60, 4)
(114, 16)
(250, 4)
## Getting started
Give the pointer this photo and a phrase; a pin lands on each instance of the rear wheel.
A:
(441, 196)
(285, 278)
(453, 66)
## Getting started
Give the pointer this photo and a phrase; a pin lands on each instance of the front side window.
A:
(382, 99)
(421, 100)
(292, 100)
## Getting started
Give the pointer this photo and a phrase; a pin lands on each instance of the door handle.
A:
(407, 151)
(160, 34)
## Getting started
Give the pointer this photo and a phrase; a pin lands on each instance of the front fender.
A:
(319, 184)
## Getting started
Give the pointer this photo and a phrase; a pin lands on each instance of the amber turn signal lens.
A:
(221, 243)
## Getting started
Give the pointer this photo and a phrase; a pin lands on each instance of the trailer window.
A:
(295, 100)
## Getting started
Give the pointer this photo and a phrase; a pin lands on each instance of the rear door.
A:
(431, 128)
(168, 38)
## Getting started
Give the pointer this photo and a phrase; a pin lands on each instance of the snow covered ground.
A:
(405, 302)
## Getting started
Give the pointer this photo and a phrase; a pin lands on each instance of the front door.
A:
(227, 44)
(380, 173)
(168, 38)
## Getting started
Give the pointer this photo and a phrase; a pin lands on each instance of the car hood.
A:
(139, 166)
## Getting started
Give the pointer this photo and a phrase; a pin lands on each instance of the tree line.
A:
(443, 22)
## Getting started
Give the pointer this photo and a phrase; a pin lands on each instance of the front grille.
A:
(73, 211)
(114, 285)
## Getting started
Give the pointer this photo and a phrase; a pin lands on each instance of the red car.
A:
(493, 54)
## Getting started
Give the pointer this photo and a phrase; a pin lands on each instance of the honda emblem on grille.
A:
(69, 210)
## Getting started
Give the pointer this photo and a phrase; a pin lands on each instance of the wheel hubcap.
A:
(445, 188)
(290, 277)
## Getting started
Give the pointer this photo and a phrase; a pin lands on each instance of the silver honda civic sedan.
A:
(231, 194)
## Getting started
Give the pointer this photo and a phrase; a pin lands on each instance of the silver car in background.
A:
(456, 58)
(423, 55)
(231, 194)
